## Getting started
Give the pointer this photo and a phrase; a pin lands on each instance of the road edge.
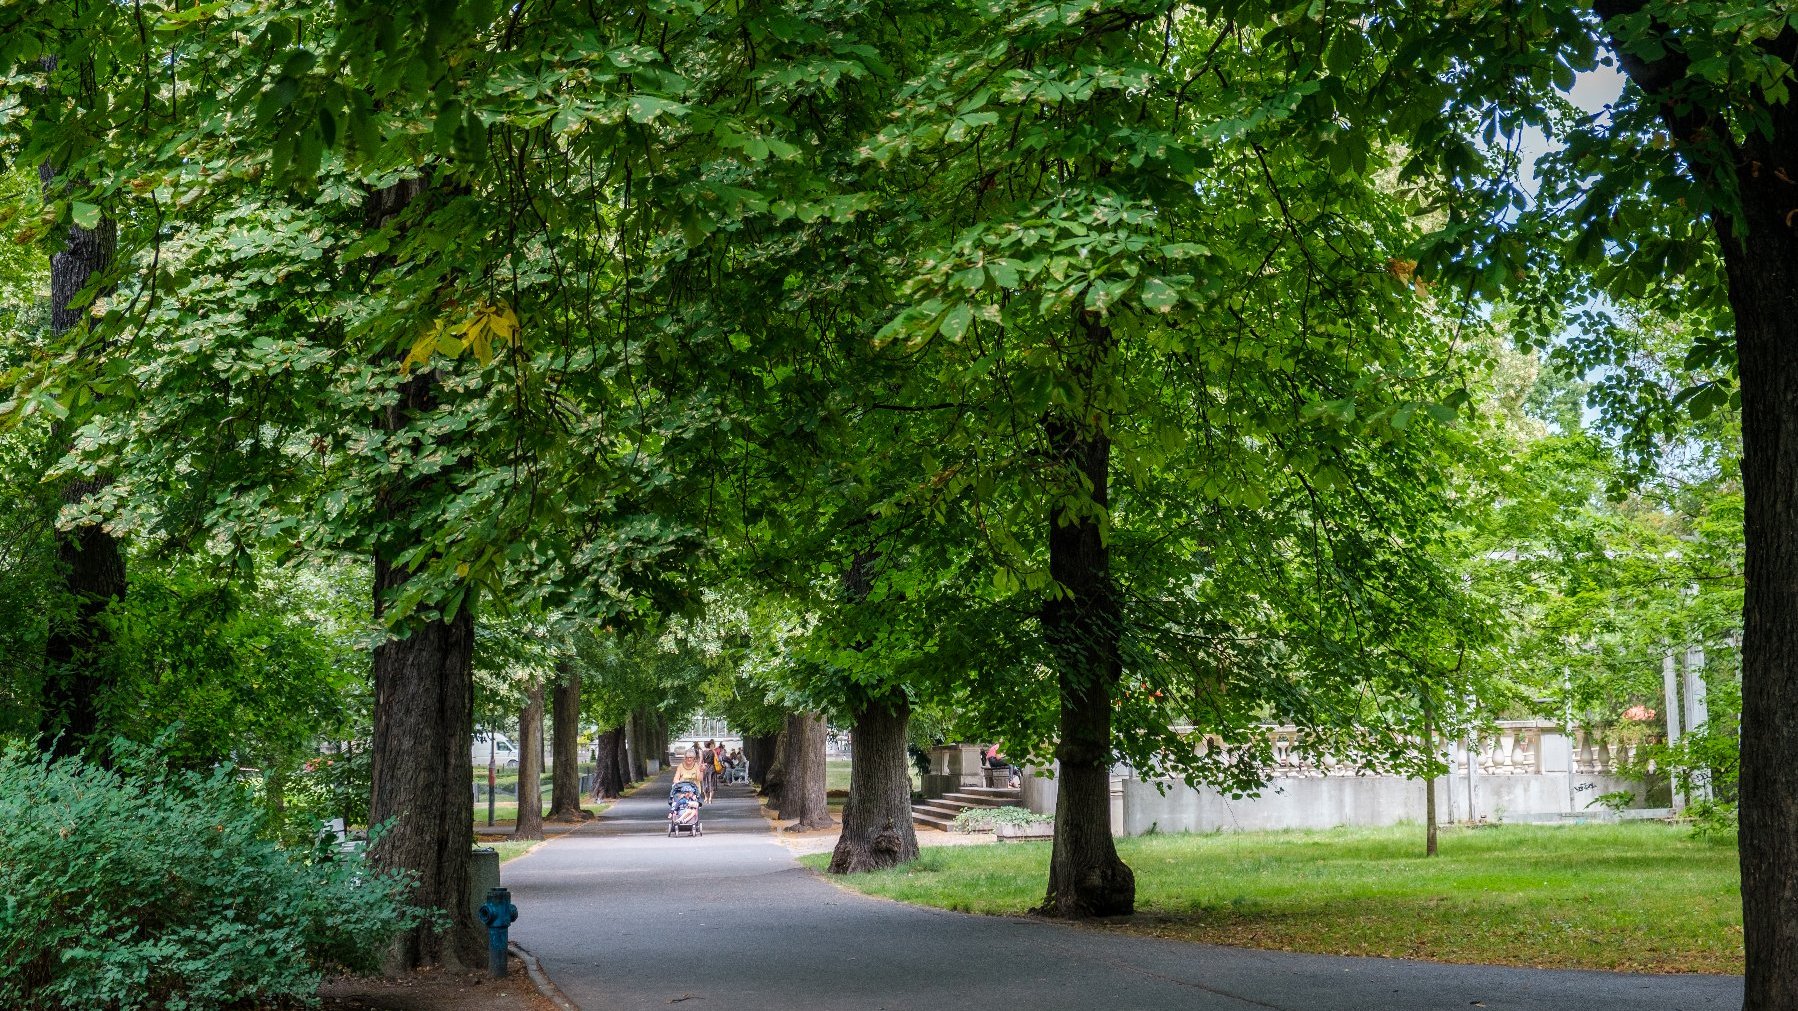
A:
(541, 980)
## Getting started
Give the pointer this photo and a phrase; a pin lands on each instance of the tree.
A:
(610, 773)
(89, 556)
(1184, 401)
(877, 826)
(803, 800)
(530, 765)
(565, 788)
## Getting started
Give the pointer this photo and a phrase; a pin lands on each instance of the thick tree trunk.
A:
(424, 714)
(621, 758)
(92, 565)
(1763, 289)
(758, 752)
(1760, 253)
(608, 768)
(802, 797)
(565, 777)
(877, 825)
(424, 701)
(93, 577)
(1083, 627)
(776, 781)
(530, 766)
(638, 744)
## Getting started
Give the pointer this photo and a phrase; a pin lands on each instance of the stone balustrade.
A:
(1516, 770)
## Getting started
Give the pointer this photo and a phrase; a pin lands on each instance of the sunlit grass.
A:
(1642, 896)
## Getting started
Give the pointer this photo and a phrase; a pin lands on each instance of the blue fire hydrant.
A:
(497, 914)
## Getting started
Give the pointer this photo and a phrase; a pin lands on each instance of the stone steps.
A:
(941, 812)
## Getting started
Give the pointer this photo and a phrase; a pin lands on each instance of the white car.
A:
(497, 746)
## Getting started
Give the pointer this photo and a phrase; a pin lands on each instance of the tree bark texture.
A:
(775, 783)
(803, 799)
(424, 714)
(758, 752)
(1763, 288)
(565, 777)
(89, 558)
(608, 769)
(877, 825)
(424, 704)
(1083, 626)
(639, 743)
(530, 766)
(1760, 253)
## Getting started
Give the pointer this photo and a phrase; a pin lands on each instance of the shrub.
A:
(986, 819)
(148, 889)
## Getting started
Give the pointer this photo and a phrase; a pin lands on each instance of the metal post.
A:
(492, 779)
(1670, 679)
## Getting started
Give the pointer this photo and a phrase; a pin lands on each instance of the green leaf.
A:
(86, 215)
(956, 320)
(1158, 295)
(645, 108)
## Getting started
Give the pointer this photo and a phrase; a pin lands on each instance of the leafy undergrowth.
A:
(1632, 897)
(986, 819)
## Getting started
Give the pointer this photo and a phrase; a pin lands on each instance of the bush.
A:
(149, 889)
(986, 819)
(331, 786)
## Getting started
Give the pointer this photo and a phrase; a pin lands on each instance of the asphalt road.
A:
(624, 917)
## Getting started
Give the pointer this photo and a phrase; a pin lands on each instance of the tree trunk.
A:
(758, 752)
(1083, 626)
(93, 577)
(621, 758)
(89, 558)
(608, 769)
(530, 766)
(1760, 254)
(776, 780)
(1763, 289)
(424, 715)
(877, 825)
(1429, 784)
(803, 799)
(424, 701)
(638, 743)
(565, 776)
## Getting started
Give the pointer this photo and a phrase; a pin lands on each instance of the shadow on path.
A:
(622, 916)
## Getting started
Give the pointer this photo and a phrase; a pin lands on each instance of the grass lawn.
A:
(508, 848)
(1639, 897)
(836, 775)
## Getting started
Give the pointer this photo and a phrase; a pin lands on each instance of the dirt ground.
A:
(435, 990)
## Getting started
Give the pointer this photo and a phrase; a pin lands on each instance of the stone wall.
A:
(1529, 772)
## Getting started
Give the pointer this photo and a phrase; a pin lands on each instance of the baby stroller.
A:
(683, 810)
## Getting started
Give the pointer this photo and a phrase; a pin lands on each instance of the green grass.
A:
(510, 849)
(1640, 897)
(836, 775)
(505, 812)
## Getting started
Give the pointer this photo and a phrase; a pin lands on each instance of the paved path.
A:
(624, 917)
